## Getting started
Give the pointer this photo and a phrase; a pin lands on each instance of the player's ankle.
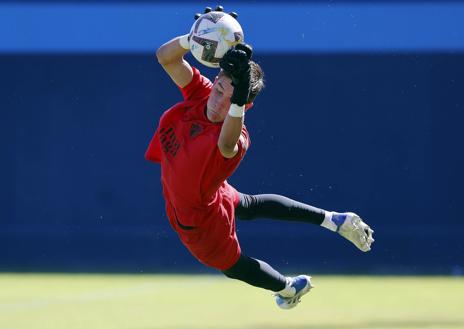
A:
(288, 291)
(328, 223)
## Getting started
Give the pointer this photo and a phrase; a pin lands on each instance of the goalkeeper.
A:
(199, 143)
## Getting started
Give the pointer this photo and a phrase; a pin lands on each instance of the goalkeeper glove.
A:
(236, 64)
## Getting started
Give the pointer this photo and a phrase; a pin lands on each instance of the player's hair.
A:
(256, 81)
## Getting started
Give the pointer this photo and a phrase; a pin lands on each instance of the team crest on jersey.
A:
(195, 130)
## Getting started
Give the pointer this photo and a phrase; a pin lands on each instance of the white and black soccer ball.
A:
(212, 35)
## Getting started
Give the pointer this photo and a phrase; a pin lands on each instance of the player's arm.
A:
(236, 63)
(231, 131)
(171, 57)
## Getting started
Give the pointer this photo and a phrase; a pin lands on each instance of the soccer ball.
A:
(212, 35)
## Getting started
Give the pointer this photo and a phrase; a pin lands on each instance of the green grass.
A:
(189, 302)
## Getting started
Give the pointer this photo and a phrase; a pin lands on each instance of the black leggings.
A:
(257, 272)
(277, 207)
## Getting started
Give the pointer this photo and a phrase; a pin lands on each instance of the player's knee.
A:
(230, 274)
(234, 273)
(238, 270)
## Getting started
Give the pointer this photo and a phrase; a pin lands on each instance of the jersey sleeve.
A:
(153, 152)
(243, 143)
(199, 87)
(155, 149)
(221, 168)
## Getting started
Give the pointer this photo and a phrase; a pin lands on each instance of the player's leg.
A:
(256, 273)
(273, 206)
(288, 291)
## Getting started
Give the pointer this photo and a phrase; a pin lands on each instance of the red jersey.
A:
(199, 202)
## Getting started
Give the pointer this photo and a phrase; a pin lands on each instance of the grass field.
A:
(177, 301)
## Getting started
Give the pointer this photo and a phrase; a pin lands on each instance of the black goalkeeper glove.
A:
(236, 64)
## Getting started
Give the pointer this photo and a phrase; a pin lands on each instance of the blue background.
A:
(363, 111)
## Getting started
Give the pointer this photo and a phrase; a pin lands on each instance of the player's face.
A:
(219, 100)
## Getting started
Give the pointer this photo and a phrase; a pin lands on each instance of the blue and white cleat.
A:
(301, 285)
(351, 227)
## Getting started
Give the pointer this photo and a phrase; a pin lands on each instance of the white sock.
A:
(328, 223)
(288, 291)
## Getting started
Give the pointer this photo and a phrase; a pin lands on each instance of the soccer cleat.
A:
(301, 285)
(351, 227)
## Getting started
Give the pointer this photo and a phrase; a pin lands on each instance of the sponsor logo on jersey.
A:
(169, 141)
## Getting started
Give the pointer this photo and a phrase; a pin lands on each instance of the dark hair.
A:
(256, 81)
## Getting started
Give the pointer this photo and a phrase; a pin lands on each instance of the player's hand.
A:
(236, 64)
(218, 8)
(236, 61)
